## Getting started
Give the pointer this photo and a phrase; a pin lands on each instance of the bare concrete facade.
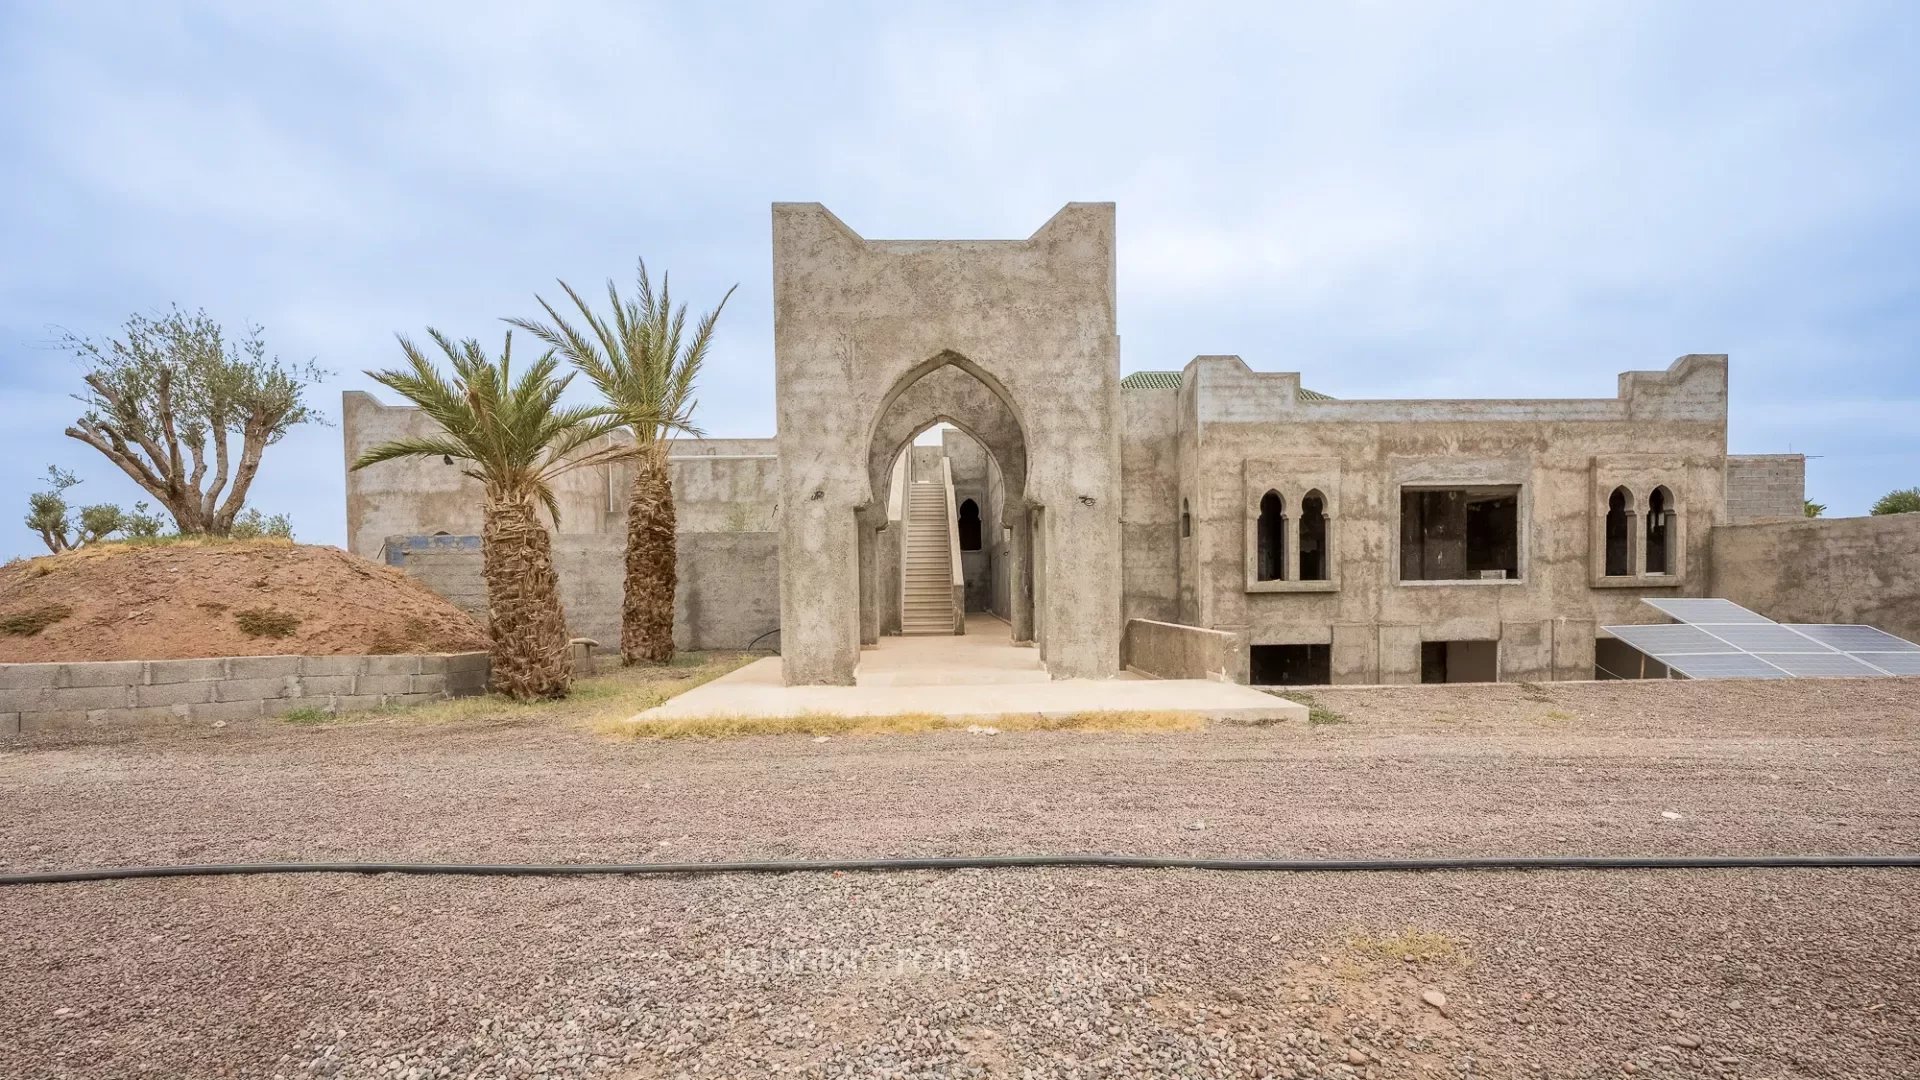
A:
(1024, 330)
(1333, 540)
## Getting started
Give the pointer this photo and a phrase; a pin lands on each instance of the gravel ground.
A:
(1018, 973)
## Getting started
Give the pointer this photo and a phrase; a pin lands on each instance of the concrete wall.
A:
(858, 322)
(1825, 570)
(1150, 503)
(52, 697)
(727, 596)
(1766, 487)
(1240, 433)
(1171, 651)
(719, 485)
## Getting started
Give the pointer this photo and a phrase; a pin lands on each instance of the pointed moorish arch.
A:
(945, 388)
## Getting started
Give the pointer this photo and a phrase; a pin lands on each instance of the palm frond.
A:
(637, 354)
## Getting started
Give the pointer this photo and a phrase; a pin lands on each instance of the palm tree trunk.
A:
(646, 612)
(529, 648)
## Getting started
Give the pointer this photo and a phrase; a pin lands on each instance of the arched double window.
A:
(1313, 536)
(1272, 532)
(969, 526)
(1660, 531)
(1619, 533)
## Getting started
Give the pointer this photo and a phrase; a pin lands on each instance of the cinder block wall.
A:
(1766, 487)
(52, 697)
(728, 592)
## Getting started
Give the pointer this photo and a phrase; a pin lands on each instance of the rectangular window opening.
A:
(1459, 661)
(1460, 534)
(1290, 665)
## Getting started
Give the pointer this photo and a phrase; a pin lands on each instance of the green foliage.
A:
(49, 515)
(168, 397)
(637, 355)
(266, 622)
(29, 623)
(142, 523)
(1904, 501)
(1814, 509)
(252, 525)
(307, 715)
(513, 435)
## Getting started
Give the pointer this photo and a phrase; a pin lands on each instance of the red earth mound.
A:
(219, 598)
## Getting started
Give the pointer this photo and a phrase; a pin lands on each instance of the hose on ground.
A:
(982, 862)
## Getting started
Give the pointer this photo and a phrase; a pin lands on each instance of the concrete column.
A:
(1290, 558)
(819, 593)
(869, 585)
(1020, 577)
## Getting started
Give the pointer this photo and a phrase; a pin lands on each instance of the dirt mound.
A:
(219, 598)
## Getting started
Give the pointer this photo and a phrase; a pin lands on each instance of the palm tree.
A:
(515, 439)
(646, 367)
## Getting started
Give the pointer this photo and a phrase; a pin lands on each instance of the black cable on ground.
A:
(986, 862)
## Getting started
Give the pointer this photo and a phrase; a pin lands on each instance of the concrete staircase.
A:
(926, 604)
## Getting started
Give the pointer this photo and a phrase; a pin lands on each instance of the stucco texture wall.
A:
(1825, 570)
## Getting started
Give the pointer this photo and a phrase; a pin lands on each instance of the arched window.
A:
(1619, 533)
(969, 526)
(1660, 531)
(1186, 520)
(1273, 537)
(1313, 537)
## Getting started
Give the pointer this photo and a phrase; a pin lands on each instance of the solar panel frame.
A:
(1853, 637)
(1704, 610)
(1897, 663)
(1656, 639)
(1827, 665)
(1766, 638)
(1727, 665)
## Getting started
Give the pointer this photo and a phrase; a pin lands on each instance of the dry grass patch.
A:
(29, 623)
(723, 727)
(1424, 946)
(612, 695)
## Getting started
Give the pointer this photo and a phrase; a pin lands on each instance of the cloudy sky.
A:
(1395, 200)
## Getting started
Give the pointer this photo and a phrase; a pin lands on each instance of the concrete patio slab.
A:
(980, 675)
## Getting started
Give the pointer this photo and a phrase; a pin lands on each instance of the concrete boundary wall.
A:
(1824, 570)
(1172, 651)
(53, 697)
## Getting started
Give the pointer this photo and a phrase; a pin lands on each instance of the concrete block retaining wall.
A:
(51, 697)
(1172, 651)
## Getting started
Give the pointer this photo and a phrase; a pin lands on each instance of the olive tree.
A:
(187, 412)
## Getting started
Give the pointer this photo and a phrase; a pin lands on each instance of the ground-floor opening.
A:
(1459, 661)
(1290, 665)
(1615, 659)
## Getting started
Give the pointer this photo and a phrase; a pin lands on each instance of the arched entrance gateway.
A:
(1013, 343)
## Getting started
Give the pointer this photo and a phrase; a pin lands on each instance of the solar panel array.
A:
(1719, 639)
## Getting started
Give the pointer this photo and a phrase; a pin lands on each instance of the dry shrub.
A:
(265, 622)
(30, 622)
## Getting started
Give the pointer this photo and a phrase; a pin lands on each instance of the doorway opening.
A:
(1459, 661)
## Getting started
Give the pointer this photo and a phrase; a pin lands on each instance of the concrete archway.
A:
(945, 388)
(859, 326)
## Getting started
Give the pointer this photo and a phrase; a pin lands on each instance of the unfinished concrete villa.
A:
(960, 458)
